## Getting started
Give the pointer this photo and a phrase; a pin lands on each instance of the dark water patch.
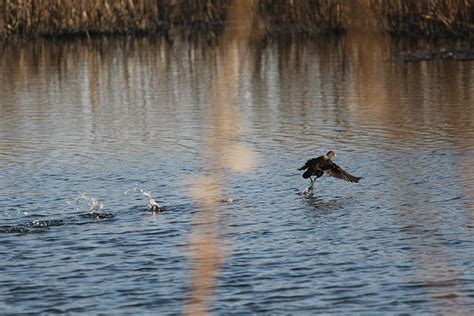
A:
(52, 311)
(15, 229)
(435, 54)
(434, 284)
(98, 215)
(345, 287)
(178, 208)
(39, 225)
(31, 227)
(449, 296)
(149, 209)
(47, 223)
(326, 204)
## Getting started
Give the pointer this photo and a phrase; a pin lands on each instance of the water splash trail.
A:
(93, 204)
(153, 205)
(93, 207)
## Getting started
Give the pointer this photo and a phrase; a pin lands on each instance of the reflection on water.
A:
(234, 123)
(225, 151)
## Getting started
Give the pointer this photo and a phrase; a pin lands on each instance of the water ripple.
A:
(94, 136)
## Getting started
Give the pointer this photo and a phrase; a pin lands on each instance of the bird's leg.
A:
(309, 189)
(311, 186)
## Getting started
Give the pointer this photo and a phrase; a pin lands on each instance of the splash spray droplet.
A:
(152, 203)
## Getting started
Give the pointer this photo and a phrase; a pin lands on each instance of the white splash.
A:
(309, 190)
(94, 205)
(152, 203)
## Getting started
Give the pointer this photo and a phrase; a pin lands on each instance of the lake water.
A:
(215, 135)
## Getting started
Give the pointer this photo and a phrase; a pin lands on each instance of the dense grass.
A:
(189, 18)
(423, 18)
(304, 18)
(22, 18)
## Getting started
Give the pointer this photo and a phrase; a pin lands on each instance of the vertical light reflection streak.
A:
(206, 251)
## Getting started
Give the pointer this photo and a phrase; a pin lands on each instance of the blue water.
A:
(90, 132)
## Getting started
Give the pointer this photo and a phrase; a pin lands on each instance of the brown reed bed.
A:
(423, 18)
(49, 18)
(303, 18)
(191, 18)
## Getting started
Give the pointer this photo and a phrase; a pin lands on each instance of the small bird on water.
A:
(324, 164)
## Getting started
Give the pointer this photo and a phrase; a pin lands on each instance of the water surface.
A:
(92, 126)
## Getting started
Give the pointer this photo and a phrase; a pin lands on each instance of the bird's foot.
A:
(307, 192)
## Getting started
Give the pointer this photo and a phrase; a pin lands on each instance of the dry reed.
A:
(423, 18)
(303, 18)
(80, 17)
(189, 18)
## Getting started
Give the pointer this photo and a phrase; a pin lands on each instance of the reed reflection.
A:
(422, 107)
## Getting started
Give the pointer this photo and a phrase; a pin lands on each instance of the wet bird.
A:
(324, 164)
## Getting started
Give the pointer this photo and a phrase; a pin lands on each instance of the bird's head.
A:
(330, 154)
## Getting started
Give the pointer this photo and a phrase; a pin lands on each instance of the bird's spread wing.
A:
(337, 172)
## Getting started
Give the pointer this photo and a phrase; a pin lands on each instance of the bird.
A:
(324, 164)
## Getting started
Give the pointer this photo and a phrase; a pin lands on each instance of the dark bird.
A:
(324, 164)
